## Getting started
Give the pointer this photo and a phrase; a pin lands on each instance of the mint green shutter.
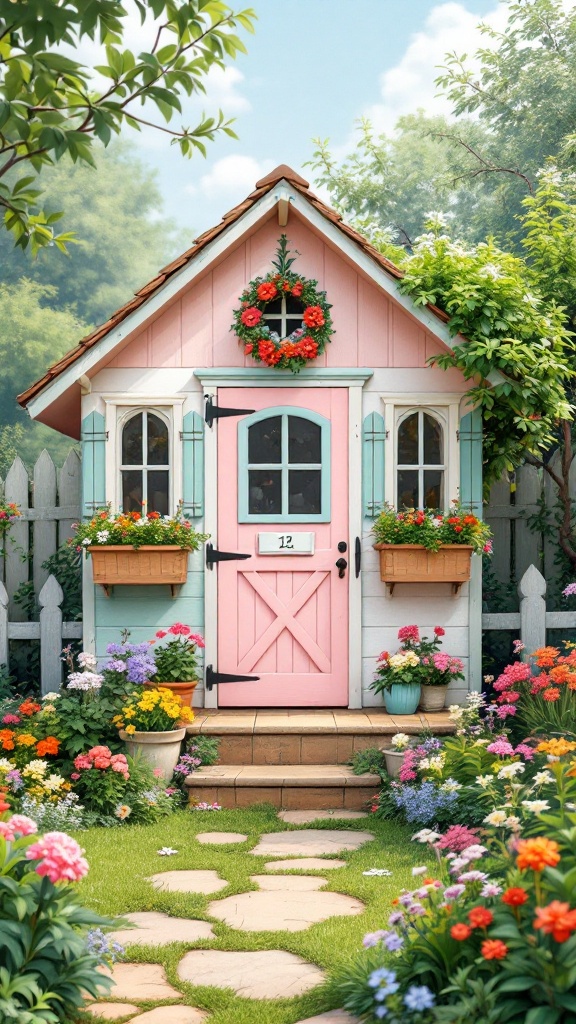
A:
(193, 465)
(373, 438)
(470, 436)
(94, 438)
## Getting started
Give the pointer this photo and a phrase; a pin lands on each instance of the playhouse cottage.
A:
(286, 469)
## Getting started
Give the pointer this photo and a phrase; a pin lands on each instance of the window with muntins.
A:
(284, 467)
(145, 463)
(420, 465)
(284, 315)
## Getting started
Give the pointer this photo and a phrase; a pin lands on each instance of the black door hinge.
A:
(216, 412)
(213, 678)
(213, 555)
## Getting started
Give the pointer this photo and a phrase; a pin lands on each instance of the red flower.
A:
(29, 707)
(251, 316)
(178, 629)
(515, 897)
(494, 949)
(556, 920)
(460, 932)
(438, 631)
(308, 348)
(480, 917)
(297, 289)
(161, 634)
(265, 349)
(248, 349)
(266, 291)
(409, 633)
(457, 529)
(551, 694)
(153, 515)
(3, 805)
(313, 316)
(285, 286)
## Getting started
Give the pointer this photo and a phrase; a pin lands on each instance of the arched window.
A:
(420, 465)
(284, 466)
(145, 463)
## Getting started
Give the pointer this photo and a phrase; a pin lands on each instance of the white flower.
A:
(484, 781)
(510, 770)
(552, 757)
(492, 271)
(400, 741)
(450, 786)
(35, 768)
(480, 743)
(426, 835)
(84, 681)
(541, 777)
(5, 765)
(495, 818)
(166, 851)
(86, 660)
(53, 783)
(86, 541)
(536, 805)
(512, 822)
(51, 695)
(102, 536)
(377, 871)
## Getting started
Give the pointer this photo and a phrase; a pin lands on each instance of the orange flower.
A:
(515, 897)
(480, 917)
(313, 316)
(494, 949)
(557, 747)
(48, 746)
(460, 932)
(556, 920)
(537, 853)
(559, 674)
(266, 291)
(297, 289)
(551, 694)
(29, 707)
(546, 656)
(469, 520)
(248, 349)
(3, 805)
(7, 739)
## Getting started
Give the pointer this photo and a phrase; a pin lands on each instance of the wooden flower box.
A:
(413, 563)
(121, 564)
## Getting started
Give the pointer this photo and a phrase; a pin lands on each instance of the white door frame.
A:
(353, 379)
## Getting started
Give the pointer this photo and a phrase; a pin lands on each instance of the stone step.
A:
(290, 787)
(306, 736)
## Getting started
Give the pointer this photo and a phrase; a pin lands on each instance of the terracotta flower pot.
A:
(183, 690)
(402, 698)
(413, 563)
(159, 749)
(433, 698)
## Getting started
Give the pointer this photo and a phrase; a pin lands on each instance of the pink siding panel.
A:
(408, 343)
(373, 324)
(135, 353)
(341, 283)
(229, 280)
(197, 324)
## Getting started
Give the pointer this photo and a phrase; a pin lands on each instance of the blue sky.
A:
(312, 68)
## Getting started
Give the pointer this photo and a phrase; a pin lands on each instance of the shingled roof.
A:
(263, 186)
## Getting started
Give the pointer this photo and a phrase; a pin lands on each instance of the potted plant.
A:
(420, 545)
(137, 549)
(394, 755)
(152, 724)
(176, 667)
(399, 676)
(441, 669)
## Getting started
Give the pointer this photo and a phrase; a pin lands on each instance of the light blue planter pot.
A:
(402, 699)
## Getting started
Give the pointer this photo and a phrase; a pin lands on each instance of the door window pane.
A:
(265, 441)
(158, 491)
(132, 442)
(157, 442)
(264, 492)
(304, 440)
(132, 493)
(408, 488)
(304, 492)
(432, 442)
(408, 441)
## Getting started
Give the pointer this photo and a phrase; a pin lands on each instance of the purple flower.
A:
(115, 649)
(406, 899)
(416, 909)
(569, 590)
(452, 892)
(473, 876)
(373, 938)
(490, 889)
(14, 779)
(395, 918)
(115, 665)
(419, 998)
(392, 941)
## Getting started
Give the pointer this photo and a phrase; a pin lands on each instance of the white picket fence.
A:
(532, 621)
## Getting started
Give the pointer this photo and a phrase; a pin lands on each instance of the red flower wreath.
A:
(307, 341)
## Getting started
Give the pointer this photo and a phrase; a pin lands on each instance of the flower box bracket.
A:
(413, 563)
(149, 565)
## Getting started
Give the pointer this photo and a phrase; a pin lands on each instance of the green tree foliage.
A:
(122, 238)
(50, 106)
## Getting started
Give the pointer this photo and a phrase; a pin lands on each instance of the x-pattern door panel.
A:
(284, 618)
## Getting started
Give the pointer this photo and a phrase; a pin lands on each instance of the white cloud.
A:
(232, 178)
(410, 84)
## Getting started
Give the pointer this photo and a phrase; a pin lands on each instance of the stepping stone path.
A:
(171, 1015)
(309, 841)
(140, 981)
(112, 1011)
(205, 882)
(155, 929)
(219, 838)
(305, 864)
(332, 1017)
(303, 817)
(279, 905)
(267, 974)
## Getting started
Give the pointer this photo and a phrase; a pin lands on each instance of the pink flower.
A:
(441, 661)
(82, 761)
(457, 838)
(118, 759)
(526, 751)
(158, 773)
(161, 634)
(501, 747)
(409, 633)
(100, 752)
(120, 768)
(178, 629)
(103, 763)
(197, 639)
(60, 858)
(508, 697)
(22, 824)
(75, 776)
(438, 631)
(506, 709)
(487, 549)
(11, 720)
(7, 831)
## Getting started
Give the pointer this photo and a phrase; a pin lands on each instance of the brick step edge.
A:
(232, 776)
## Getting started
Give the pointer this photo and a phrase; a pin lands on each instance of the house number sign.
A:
(287, 543)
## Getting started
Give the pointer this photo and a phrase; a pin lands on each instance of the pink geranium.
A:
(457, 838)
(197, 639)
(102, 763)
(161, 634)
(83, 761)
(501, 747)
(23, 825)
(409, 633)
(100, 752)
(11, 720)
(179, 629)
(60, 858)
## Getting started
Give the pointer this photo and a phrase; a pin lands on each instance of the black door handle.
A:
(341, 565)
(358, 556)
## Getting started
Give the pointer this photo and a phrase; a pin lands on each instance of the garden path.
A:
(279, 903)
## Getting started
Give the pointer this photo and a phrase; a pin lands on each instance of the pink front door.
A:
(283, 499)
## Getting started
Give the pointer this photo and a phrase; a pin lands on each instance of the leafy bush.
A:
(46, 967)
(176, 660)
(432, 528)
(370, 760)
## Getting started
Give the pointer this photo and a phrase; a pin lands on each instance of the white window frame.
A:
(285, 319)
(420, 466)
(446, 409)
(120, 408)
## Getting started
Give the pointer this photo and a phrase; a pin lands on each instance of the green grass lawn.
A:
(122, 859)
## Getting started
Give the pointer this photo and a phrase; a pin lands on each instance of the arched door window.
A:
(145, 464)
(284, 467)
(420, 466)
